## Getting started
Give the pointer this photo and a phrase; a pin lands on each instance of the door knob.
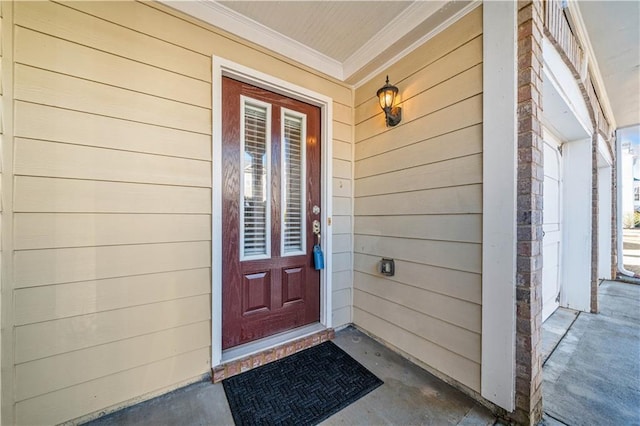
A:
(315, 210)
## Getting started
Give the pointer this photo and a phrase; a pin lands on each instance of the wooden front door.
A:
(271, 198)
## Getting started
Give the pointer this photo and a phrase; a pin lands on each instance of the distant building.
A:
(630, 182)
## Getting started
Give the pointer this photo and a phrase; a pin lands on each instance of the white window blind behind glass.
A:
(293, 182)
(256, 169)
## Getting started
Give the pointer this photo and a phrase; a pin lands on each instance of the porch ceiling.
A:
(353, 40)
(336, 28)
(613, 29)
(348, 40)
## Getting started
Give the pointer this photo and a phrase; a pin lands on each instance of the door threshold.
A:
(264, 351)
(248, 349)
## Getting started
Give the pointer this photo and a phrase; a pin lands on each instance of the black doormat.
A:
(302, 389)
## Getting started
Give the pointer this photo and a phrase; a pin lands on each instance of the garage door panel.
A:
(551, 167)
(551, 202)
(552, 227)
(550, 276)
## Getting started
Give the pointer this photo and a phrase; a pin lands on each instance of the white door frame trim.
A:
(499, 156)
(224, 68)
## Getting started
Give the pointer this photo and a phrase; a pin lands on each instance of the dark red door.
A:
(271, 198)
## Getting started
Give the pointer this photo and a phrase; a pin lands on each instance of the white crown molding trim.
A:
(397, 28)
(222, 17)
(583, 36)
(437, 30)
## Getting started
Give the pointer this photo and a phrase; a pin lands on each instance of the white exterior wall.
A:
(627, 184)
(604, 222)
(576, 258)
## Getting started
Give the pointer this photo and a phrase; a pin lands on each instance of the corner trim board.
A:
(499, 179)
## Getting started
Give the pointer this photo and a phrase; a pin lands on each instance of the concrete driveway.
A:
(631, 250)
(593, 376)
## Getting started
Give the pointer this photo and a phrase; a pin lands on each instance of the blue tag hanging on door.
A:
(318, 257)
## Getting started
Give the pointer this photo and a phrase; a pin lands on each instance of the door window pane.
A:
(293, 182)
(255, 171)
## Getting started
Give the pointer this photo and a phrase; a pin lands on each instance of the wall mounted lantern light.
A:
(387, 95)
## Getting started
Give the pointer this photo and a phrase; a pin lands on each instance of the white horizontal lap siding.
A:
(112, 165)
(112, 201)
(418, 199)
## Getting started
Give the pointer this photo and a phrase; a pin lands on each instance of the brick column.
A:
(529, 218)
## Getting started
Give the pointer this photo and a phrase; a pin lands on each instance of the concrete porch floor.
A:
(592, 377)
(410, 395)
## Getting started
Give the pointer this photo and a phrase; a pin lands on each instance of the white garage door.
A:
(552, 214)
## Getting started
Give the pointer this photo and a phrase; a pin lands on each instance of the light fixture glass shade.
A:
(387, 97)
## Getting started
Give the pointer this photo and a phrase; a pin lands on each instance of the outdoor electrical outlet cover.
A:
(387, 267)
